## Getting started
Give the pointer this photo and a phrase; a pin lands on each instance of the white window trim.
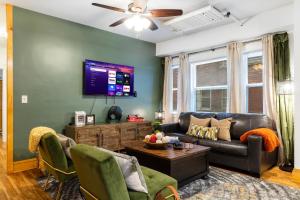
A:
(194, 82)
(245, 84)
(174, 89)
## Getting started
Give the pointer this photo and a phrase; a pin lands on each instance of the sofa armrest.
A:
(255, 148)
(259, 159)
(255, 142)
(169, 128)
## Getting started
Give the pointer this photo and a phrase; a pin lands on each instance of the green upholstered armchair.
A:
(101, 178)
(56, 162)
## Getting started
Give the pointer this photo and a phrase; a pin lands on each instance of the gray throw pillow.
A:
(66, 144)
(131, 171)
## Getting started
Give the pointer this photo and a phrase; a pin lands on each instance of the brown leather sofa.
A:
(249, 157)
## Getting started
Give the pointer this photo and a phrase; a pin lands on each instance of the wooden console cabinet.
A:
(109, 136)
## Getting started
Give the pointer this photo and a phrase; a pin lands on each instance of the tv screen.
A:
(101, 78)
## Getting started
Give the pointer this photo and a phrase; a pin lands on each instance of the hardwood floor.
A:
(275, 175)
(23, 185)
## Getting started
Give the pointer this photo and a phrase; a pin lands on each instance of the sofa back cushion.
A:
(242, 123)
(185, 117)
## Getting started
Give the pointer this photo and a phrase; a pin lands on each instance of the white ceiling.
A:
(82, 12)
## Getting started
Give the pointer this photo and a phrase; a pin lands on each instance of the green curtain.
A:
(285, 102)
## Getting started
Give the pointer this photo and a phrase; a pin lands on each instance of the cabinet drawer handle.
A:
(97, 135)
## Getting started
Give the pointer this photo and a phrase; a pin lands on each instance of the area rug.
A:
(220, 185)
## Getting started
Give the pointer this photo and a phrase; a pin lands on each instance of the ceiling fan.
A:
(140, 17)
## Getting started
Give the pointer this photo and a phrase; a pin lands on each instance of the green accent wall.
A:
(48, 63)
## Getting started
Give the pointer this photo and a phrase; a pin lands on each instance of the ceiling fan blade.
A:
(117, 23)
(109, 7)
(165, 12)
(152, 26)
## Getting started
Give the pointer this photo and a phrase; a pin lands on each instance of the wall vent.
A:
(200, 18)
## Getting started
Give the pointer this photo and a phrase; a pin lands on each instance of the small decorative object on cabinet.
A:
(110, 136)
(90, 119)
(80, 118)
(134, 118)
(114, 114)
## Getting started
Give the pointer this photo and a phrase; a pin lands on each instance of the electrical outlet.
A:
(24, 99)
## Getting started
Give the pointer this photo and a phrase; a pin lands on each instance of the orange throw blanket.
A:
(271, 141)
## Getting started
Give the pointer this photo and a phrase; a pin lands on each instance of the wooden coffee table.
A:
(184, 165)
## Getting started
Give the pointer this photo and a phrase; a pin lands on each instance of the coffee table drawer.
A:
(189, 167)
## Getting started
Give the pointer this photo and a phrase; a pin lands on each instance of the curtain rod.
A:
(224, 45)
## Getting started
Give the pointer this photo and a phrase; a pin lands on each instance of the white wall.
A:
(297, 81)
(280, 19)
(3, 60)
(286, 18)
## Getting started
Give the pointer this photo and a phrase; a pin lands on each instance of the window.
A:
(174, 87)
(211, 86)
(254, 82)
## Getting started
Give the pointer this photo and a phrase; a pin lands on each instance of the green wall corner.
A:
(48, 62)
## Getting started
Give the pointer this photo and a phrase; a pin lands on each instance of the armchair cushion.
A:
(155, 182)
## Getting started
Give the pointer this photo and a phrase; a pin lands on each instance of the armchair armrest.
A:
(169, 128)
(174, 194)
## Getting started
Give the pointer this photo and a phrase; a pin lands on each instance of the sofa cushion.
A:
(224, 126)
(245, 122)
(234, 147)
(197, 121)
(184, 138)
(184, 119)
(155, 182)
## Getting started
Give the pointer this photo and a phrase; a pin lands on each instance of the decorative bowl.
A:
(151, 145)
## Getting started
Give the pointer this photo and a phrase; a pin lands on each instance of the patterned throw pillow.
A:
(211, 133)
(202, 132)
(194, 131)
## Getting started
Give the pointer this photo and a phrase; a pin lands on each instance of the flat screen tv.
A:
(101, 78)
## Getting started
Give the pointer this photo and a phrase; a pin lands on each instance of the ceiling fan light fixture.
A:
(129, 23)
(138, 23)
(142, 17)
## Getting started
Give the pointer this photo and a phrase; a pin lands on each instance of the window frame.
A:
(248, 85)
(217, 87)
(174, 89)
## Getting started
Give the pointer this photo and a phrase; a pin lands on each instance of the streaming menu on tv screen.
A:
(102, 78)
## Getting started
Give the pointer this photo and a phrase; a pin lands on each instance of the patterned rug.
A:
(220, 185)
